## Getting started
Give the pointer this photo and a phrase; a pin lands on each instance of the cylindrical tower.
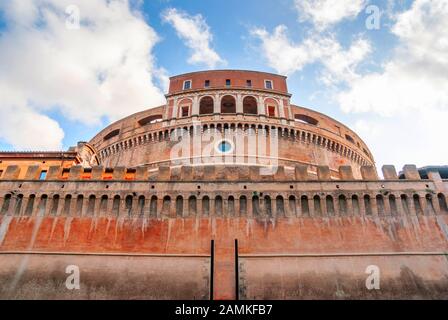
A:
(230, 117)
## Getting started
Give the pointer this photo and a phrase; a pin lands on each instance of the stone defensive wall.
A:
(137, 234)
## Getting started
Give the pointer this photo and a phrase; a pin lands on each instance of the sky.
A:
(68, 68)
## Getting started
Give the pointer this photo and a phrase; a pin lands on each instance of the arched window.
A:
(268, 206)
(343, 210)
(280, 204)
(18, 205)
(150, 119)
(206, 105)
(103, 205)
(141, 206)
(218, 206)
(250, 105)
(67, 204)
(380, 205)
(305, 119)
(367, 205)
(292, 205)
(317, 206)
(231, 206)
(112, 134)
(30, 205)
(179, 206)
(304, 205)
(166, 206)
(228, 104)
(330, 205)
(393, 205)
(355, 205)
(128, 204)
(42, 205)
(79, 204)
(349, 138)
(192, 205)
(255, 206)
(6, 203)
(405, 204)
(429, 205)
(417, 205)
(91, 206)
(205, 206)
(243, 206)
(442, 203)
(54, 205)
(116, 205)
(153, 207)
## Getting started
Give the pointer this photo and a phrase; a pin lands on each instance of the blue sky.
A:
(387, 83)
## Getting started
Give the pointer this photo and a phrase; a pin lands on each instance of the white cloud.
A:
(103, 69)
(195, 31)
(325, 13)
(281, 53)
(411, 92)
(287, 57)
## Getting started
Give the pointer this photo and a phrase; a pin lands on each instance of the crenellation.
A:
(11, 173)
(32, 173)
(54, 173)
(346, 173)
(369, 173)
(84, 201)
(118, 173)
(301, 172)
(323, 173)
(75, 172)
(97, 173)
(410, 172)
(389, 172)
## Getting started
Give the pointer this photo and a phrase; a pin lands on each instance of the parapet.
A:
(207, 173)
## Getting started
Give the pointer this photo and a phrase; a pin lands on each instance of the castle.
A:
(226, 192)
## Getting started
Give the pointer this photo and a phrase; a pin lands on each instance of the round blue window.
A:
(224, 147)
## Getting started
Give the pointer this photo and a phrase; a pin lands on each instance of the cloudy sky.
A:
(381, 67)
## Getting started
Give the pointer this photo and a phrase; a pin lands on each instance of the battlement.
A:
(218, 190)
(208, 173)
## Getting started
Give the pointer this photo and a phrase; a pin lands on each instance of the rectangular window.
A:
(187, 85)
(268, 84)
(43, 175)
(249, 83)
(207, 83)
(65, 173)
(1, 173)
(271, 111)
(228, 82)
(185, 111)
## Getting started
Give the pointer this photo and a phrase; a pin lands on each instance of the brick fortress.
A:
(226, 192)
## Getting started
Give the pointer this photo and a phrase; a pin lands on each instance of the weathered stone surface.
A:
(301, 172)
(323, 173)
(369, 173)
(346, 173)
(97, 172)
(389, 172)
(75, 173)
(410, 172)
